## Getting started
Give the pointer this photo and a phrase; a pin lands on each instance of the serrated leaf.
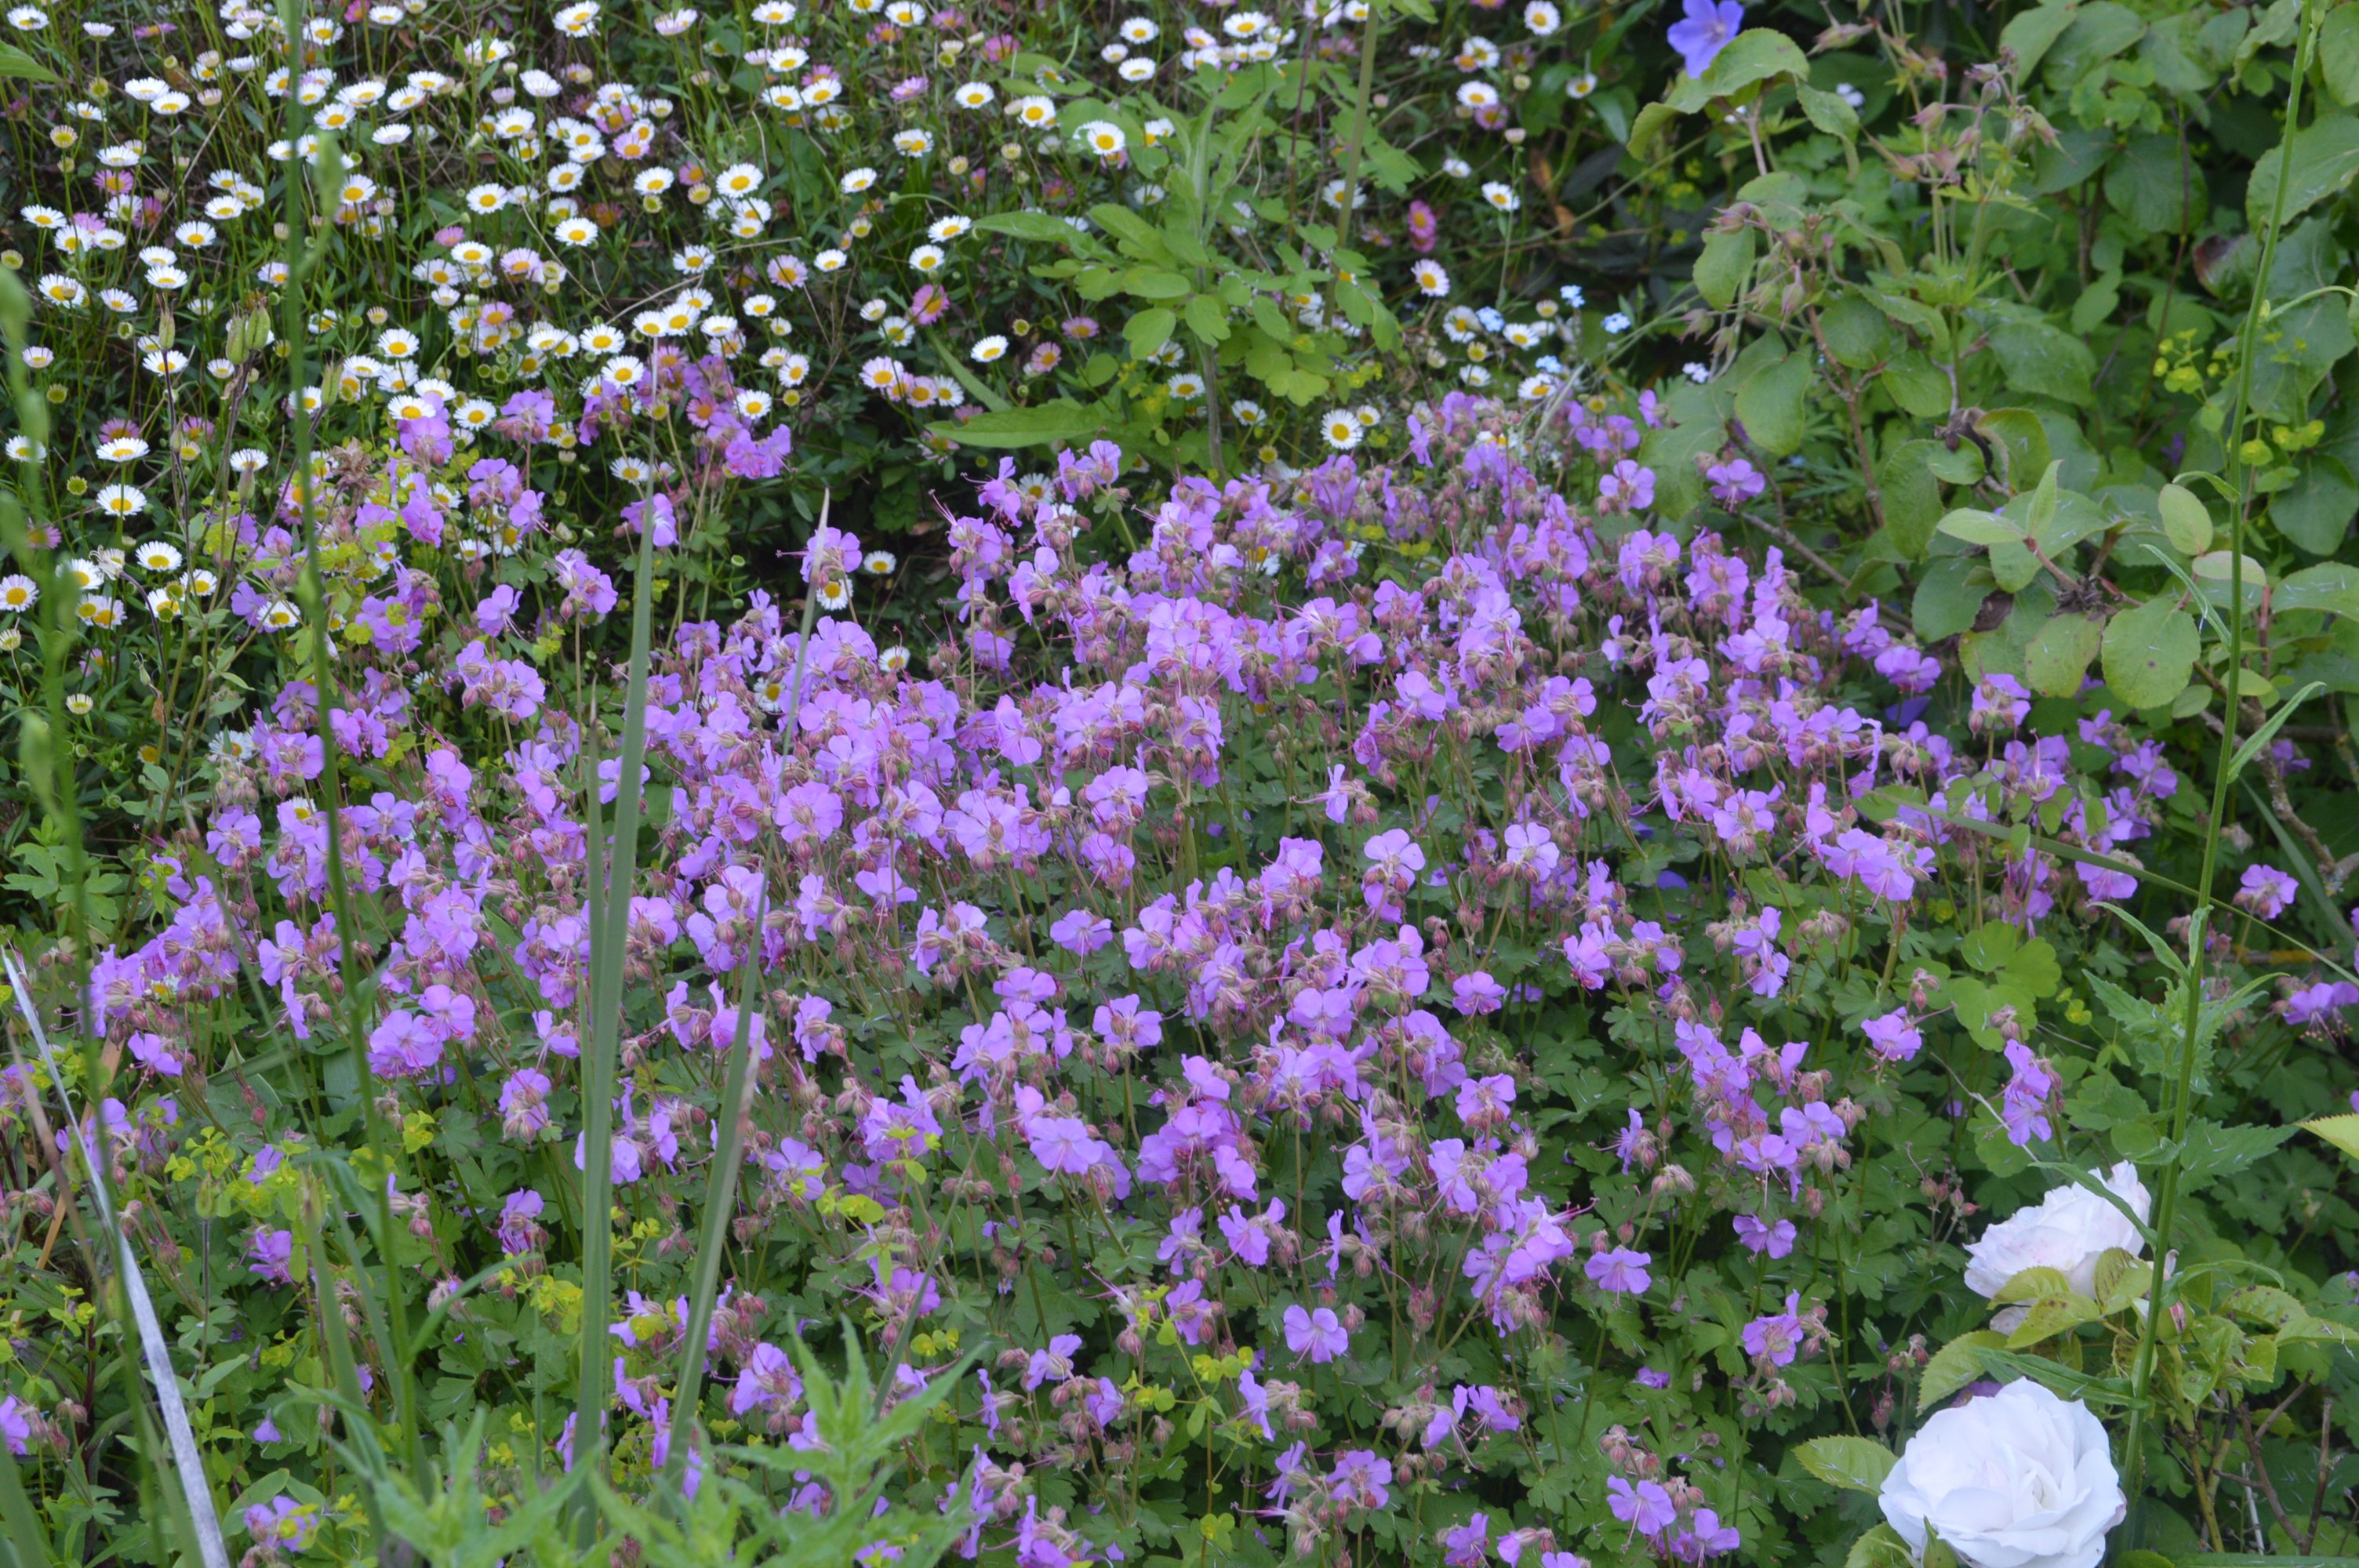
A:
(2265, 1304)
(2051, 1316)
(2212, 1149)
(1880, 1548)
(2342, 1131)
(2033, 969)
(1955, 1365)
(2121, 1279)
(2031, 1285)
(1854, 1464)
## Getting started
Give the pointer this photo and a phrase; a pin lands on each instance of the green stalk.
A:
(608, 929)
(1359, 120)
(720, 1202)
(2182, 1088)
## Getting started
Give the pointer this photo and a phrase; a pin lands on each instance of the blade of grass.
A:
(608, 933)
(720, 1202)
(21, 1542)
(736, 1097)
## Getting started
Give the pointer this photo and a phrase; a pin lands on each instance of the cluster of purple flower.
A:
(1209, 977)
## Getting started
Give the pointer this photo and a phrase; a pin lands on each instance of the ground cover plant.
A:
(1173, 784)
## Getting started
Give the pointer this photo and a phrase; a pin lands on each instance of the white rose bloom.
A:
(2021, 1479)
(2067, 1230)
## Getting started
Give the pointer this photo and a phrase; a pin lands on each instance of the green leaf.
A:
(2031, 1285)
(2034, 968)
(2152, 185)
(1040, 226)
(1648, 128)
(1912, 497)
(1978, 528)
(1774, 403)
(2220, 567)
(2185, 519)
(2014, 565)
(2100, 30)
(2043, 503)
(1963, 466)
(2045, 358)
(1955, 1365)
(1722, 268)
(2325, 159)
(1754, 55)
(1149, 330)
(1206, 320)
(1857, 335)
(1916, 383)
(2020, 438)
(2149, 650)
(1949, 596)
(2097, 302)
(1153, 283)
(2031, 33)
(1880, 1548)
(1138, 236)
(2338, 53)
(2315, 513)
(1854, 1464)
(2050, 1316)
(2342, 1131)
(1829, 111)
(15, 62)
(2332, 586)
(1061, 423)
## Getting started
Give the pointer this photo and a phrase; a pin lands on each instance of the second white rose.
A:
(2068, 1231)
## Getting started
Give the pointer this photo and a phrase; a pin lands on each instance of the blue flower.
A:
(1705, 32)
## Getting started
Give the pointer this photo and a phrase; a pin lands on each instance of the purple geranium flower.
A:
(1621, 1269)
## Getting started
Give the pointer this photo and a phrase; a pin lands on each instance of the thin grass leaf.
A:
(22, 1543)
(736, 1098)
(607, 935)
